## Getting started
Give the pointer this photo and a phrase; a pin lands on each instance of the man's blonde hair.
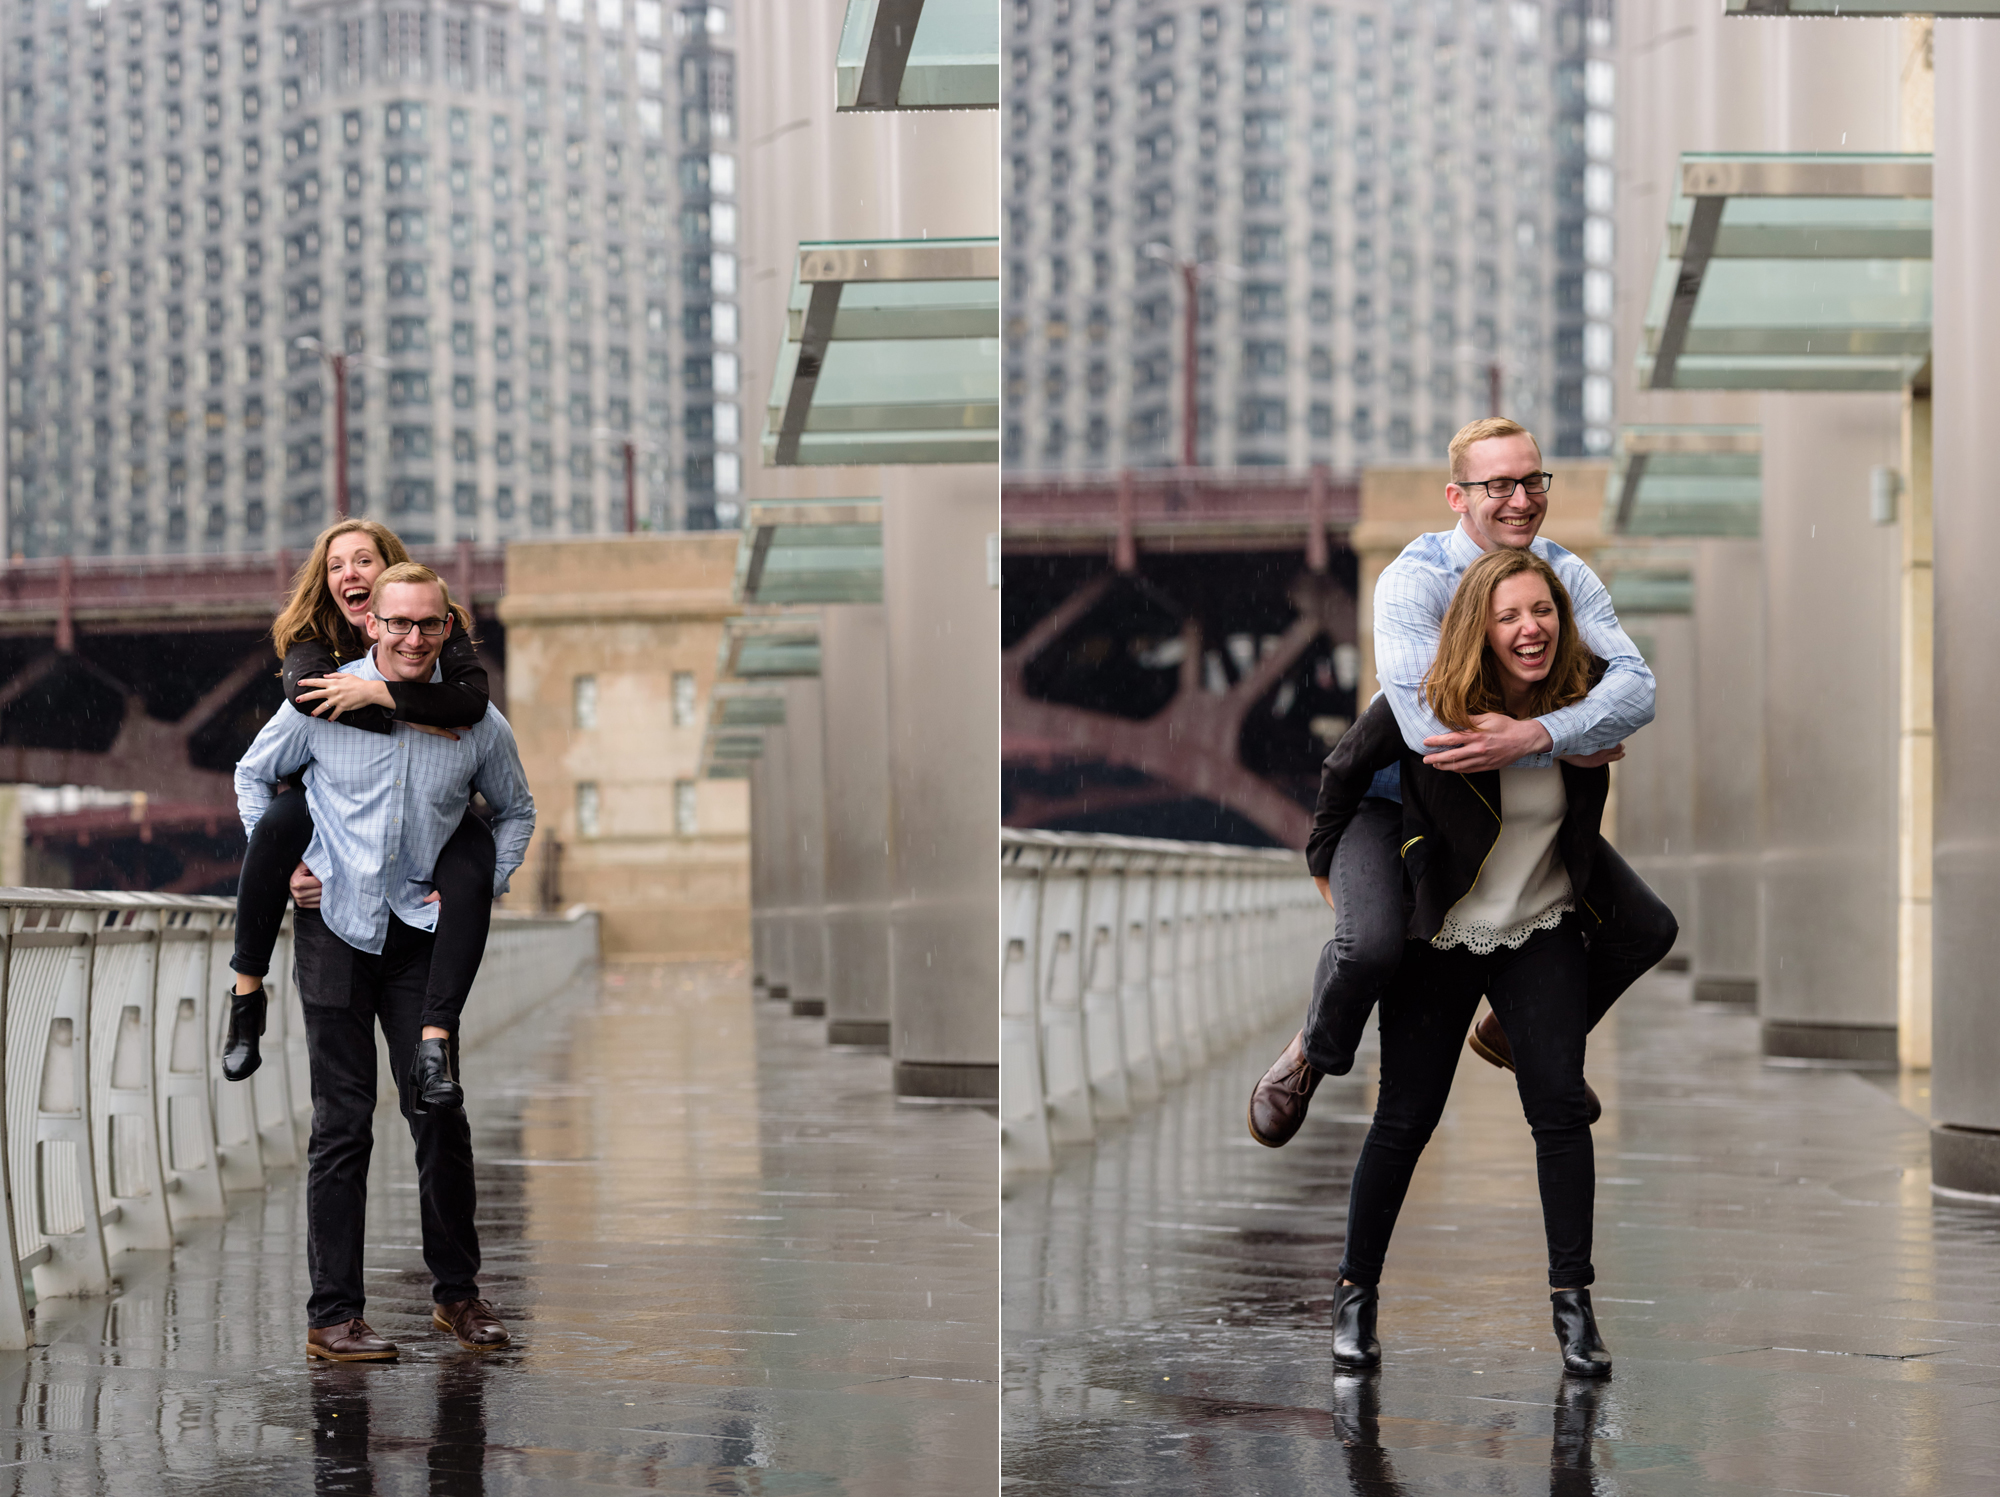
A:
(422, 576)
(1481, 430)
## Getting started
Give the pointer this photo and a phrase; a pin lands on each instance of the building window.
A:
(686, 701)
(588, 821)
(584, 700)
(684, 808)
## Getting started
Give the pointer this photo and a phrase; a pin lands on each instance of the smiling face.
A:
(1522, 630)
(353, 562)
(408, 657)
(1493, 523)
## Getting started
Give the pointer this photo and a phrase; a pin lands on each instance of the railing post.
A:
(1104, 1039)
(279, 1135)
(58, 1219)
(232, 1104)
(15, 1332)
(1135, 1000)
(1169, 1034)
(181, 1067)
(124, 1110)
(1065, 1064)
(1024, 1118)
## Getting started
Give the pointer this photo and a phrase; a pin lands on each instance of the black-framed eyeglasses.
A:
(1503, 488)
(429, 628)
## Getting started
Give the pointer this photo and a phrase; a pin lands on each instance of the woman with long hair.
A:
(1500, 867)
(323, 626)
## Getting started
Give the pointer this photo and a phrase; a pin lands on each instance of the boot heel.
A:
(1583, 1350)
(241, 1053)
(1354, 1343)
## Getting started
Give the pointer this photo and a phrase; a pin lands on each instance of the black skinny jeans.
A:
(343, 993)
(1539, 994)
(463, 876)
(1358, 963)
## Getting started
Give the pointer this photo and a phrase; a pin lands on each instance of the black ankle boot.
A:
(432, 1084)
(1583, 1350)
(240, 1054)
(1354, 1343)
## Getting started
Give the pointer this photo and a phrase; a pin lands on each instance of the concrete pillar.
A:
(942, 613)
(1827, 986)
(1728, 754)
(1655, 779)
(854, 700)
(773, 810)
(805, 846)
(1965, 1012)
(760, 877)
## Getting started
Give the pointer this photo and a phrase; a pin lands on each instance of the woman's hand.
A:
(439, 732)
(1496, 740)
(338, 694)
(1325, 887)
(1597, 760)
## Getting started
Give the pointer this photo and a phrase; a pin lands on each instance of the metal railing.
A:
(119, 1126)
(1130, 963)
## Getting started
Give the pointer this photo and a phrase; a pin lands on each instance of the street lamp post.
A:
(338, 362)
(1192, 273)
(631, 446)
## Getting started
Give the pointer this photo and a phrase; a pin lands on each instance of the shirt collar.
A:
(1459, 548)
(365, 667)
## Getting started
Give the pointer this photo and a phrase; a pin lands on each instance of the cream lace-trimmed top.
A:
(1523, 886)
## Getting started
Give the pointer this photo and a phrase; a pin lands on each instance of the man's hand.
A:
(338, 694)
(432, 898)
(305, 888)
(1325, 888)
(1495, 742)
(427, 728)
(1597, 760)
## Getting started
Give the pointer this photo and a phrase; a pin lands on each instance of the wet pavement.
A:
(1789, 1308)
(731, 1263)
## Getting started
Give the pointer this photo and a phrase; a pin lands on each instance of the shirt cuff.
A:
(1560, 743)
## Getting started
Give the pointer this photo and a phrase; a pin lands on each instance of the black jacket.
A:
(1450, 820)
(458, 701)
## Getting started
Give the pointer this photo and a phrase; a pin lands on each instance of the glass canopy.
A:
(1686, 481)
(891, 355)
(811, 551)
(737, 706)
(919, 54)
(1652, 592)
(1792, 272)
(769, 646)
(1949, 10)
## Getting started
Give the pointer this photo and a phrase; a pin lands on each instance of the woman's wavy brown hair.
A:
(312, 612)
(1464, 679)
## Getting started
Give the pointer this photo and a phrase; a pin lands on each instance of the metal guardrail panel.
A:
(117, 1121)
(1130, 963)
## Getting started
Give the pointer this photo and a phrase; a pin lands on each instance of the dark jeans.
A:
(344, 992)
(463, 876)
(1635, 933)
(1539, 995)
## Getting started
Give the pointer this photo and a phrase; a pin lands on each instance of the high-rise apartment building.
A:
(1390, 204)
(517, 219)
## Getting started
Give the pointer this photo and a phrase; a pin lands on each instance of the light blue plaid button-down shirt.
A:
(385, 804)
(1411, 597)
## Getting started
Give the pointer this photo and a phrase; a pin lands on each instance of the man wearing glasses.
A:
(383, 807)
(1500, 493)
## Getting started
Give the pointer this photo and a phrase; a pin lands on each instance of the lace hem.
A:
(1481, 939)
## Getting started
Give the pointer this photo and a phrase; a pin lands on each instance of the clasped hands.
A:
(333, 695)
(1497, 740)
(305, 893)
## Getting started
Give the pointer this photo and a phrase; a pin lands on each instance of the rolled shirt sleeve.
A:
(504, 784)
(282, 747)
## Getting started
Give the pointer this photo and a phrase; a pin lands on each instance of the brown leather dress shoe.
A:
(1488, 1041)
(1278, 1105)
(473, 1322)
(350, 1341)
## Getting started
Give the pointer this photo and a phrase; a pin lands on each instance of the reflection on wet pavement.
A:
(730, 1262)
(1789, 1310)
